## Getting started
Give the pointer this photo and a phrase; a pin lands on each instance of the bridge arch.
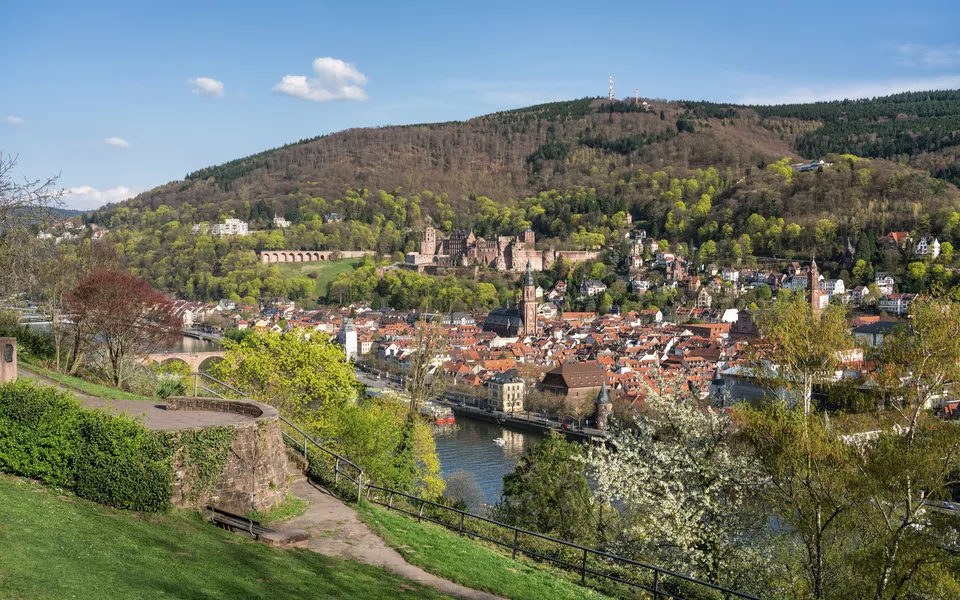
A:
(208, 363)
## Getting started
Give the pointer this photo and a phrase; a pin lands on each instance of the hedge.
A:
(46, 434)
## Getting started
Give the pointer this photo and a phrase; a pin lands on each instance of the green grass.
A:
(326, 271)
(85, 387)
(290, 507)
(56, 546)
(469, 563)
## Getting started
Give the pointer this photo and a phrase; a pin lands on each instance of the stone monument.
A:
(8, 359)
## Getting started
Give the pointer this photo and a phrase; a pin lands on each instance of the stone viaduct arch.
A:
(294, 256)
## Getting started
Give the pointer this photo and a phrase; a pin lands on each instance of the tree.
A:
(393, 449)
(463, 492)
(805, 346)
(304, 377)
(683, 490)
(809, 472)
(123, 316)
(946, 252)
(577, 407)
(422, 381)
(762, 292)
(22, 204)
(548, 492)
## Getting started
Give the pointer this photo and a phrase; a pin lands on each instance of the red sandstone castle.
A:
(504, 253)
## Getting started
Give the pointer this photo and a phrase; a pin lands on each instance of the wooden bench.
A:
(237, 523)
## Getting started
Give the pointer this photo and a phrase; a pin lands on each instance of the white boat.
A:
(499, 441)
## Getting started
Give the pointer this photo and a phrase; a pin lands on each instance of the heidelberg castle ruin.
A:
(503, 253)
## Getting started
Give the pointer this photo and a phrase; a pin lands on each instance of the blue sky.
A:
(119, 98)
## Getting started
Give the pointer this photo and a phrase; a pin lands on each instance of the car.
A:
(565, 426)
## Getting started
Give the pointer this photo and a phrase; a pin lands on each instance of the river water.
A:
(189, 344)
(470, 448)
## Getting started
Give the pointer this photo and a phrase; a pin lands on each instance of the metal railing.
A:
(660, 581)
(342, 467)
(298, 438)
(226, 391)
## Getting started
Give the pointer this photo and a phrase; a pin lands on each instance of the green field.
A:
(326, 271)
(469, 563)
(54, 546)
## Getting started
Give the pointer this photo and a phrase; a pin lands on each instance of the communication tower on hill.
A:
(611, 86)
(636, 101)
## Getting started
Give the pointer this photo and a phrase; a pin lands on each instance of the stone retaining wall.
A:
(254, 476)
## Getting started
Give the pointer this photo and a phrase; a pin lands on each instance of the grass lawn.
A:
(85, 387)
(469, 563)
(57, 546)
(326, 271)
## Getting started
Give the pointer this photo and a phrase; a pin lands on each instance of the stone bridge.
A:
(290, 256)
(197, 361)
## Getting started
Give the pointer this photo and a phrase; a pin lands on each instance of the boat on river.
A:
(499, 441)
(441, 415)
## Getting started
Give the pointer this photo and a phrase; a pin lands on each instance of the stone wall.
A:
(254, 475)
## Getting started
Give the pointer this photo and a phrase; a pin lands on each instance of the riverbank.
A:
(525, 423)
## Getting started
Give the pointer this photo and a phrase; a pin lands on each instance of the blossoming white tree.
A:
(684, 493)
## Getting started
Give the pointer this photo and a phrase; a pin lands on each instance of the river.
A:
(470, 448)
(189, 344)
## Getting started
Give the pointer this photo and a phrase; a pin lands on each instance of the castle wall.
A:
(254, 475)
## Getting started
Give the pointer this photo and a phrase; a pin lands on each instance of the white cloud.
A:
(117, 142)
(929, 57)
(87, 197)
(207, 86)
(335, 80)
(11, 120)
(863, 89)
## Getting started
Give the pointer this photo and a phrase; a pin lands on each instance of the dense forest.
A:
(713, 180)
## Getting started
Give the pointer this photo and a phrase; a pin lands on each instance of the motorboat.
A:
(499, 441)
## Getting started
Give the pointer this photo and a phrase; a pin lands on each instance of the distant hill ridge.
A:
(562, 145)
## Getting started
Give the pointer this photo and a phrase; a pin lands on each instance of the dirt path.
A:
(335, 530)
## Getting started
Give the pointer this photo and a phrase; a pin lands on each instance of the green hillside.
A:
(56, 546)
(705, 176)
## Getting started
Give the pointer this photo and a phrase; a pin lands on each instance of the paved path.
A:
(335, 530)
(155, 414)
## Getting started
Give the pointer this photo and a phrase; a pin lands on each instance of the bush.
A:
(112, 459)
(171, 386)
(120, 463)
(31, 344)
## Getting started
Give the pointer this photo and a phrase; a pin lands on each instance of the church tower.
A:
(528, 303)
(814, 284)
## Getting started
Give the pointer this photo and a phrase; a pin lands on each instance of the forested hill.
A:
(706, 176)
(564, 144)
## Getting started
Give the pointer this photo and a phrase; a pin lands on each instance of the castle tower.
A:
(528, 303)
(529, 239)
(428, 245)
(603, 406)
(813, 283)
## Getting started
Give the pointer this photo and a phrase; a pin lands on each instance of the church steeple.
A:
(528, 302)
(813, 282)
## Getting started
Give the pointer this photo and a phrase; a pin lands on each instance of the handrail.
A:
(658, 572)
(337, 458)
(196, 382)
(337, 471)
